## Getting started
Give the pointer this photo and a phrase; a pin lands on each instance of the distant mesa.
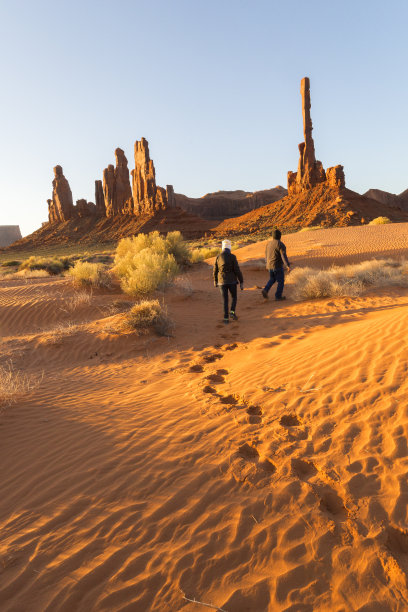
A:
(9, 234)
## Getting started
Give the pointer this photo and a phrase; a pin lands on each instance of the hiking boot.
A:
(233, 316)
(226, 320)
(264, 294)
(278, 299)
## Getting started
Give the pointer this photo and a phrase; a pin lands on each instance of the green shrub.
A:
(85, 274)
(380, 221)
(147, 315)
(147, 262)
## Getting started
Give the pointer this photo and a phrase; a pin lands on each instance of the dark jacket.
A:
(226, 269)
(275, 255)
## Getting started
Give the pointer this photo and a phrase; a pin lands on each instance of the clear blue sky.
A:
(212, 84)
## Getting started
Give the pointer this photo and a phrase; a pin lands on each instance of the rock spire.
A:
(310, 170)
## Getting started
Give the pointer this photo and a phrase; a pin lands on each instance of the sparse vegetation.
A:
(78, 300)
(14, 384)
(351, 280)
(198, 255)
(26, 274)
(380, 221)
(50, 265)
(148, 262)
(86, 274)
(13, 263)
(310, 228)
(149, 315)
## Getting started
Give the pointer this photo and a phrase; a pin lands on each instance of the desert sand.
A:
(260, 466)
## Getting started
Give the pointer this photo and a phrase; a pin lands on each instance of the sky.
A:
(213, 85)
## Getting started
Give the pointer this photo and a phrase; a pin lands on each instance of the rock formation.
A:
(99, 199)
(84, 209)
(147, 197)
(113, 195)
(310, 170)
(116, 187)
(61, 207)
(9, 234)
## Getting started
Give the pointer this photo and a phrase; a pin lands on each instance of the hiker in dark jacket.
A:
(226, 276)
(275, 258)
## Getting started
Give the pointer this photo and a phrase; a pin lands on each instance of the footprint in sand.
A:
(331, 502)
(231, 347)
(289, 420)
(222, 372)
(250, 453)
(303, 469)
(254, 415)
(215, 378)
(229, 399)
(212, 358)
(196, 368)
(397, 539)
(208, 389)
(247, 451)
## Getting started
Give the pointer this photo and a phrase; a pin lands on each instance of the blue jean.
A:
(233, 291)
(276, 276)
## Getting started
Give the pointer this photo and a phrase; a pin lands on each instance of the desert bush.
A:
(86, 274)
(147, 272)
(10, 264)
(350, 280)
(52, 265)
(380, 221)
(149, 315)
(147, 262)
(26, 274)
(198, 255)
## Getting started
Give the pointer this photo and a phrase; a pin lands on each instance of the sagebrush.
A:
(86, 274)
(350, 280)
(147, 262)
(149, 315)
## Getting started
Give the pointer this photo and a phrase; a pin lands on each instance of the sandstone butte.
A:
(316, 197)
(130, 202)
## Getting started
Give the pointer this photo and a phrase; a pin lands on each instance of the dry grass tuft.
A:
(14, 384)
(351, 280)
(59, 332)
(77, 301)
(149, 315)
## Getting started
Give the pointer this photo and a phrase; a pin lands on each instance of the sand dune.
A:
(260, 466)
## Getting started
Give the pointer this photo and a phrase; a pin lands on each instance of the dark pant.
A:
(276, 276)
(233, 291)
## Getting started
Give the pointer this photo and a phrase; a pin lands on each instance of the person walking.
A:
(275, 259)
(227, 275)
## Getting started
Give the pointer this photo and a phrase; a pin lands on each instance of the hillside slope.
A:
(321, 205)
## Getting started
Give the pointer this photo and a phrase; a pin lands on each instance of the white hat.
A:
(226, 244)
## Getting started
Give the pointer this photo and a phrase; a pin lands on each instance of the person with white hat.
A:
(227, 275)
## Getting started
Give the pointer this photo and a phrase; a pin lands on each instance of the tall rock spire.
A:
(310, 170)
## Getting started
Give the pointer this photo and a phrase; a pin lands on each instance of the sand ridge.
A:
(260, 466)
